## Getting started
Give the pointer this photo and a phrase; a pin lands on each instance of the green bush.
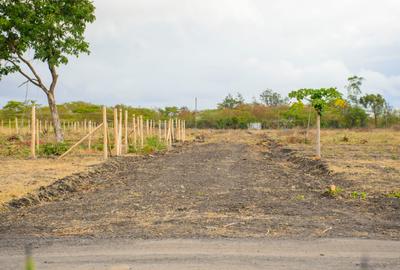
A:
(50, 149)
(153, 144)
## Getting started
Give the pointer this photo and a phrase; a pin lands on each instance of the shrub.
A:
(50, 149)
(151, 145)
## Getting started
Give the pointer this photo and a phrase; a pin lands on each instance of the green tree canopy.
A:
(271, 98)
(318, 98)
(376, 103)
(354, 88)
(231, 102)
(49, 31)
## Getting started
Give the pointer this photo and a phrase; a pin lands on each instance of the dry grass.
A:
(369, 157)
(18, 176)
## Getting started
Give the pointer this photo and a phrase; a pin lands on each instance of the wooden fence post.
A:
(105, 133)
(120, 132)
(37, 134)
(126, 132)
(184, 130)
(33, 132)
(90, 137)
(16, 125)
(159, 130)
(179, 123)
(141, 133)
(147, 128)
(165, 131)
(170, 132)
(134, 131)
(116, 131)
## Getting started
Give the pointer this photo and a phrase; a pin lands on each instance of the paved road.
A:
(209, 254)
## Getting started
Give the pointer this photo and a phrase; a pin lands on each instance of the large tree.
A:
(271, 98)
(374, 102)
(231, 102)
(319, 99)
(354, 88)
(42, 32)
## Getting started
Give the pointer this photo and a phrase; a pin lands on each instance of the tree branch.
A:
(33, 81)
(39, 81)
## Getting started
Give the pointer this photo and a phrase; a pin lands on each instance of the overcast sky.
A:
(166, 52)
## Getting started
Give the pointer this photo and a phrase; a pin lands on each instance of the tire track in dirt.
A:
(207, 190)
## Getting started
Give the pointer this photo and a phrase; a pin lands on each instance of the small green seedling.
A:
(395, 194)
(300, 197)
(333, 191)
(358, 195)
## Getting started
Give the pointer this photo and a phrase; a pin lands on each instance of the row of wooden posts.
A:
(18, 125)
(168, 131)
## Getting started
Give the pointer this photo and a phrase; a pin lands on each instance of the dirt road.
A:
(221, 189)
(327, 254)
(217, 189)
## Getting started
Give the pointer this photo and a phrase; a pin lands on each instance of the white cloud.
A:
(158, 52)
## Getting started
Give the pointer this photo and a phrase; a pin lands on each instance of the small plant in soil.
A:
(333, 191)
(395, 194)
(358, 195)
(300, 197)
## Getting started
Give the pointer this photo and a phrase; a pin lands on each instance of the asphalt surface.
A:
(207, 254)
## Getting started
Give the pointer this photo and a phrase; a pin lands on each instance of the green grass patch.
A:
(151, 145)
(53, 149)
(358, 195)
(395, 194)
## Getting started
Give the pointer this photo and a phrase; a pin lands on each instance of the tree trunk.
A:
(376, 120)
(54, 116)
(318, 136)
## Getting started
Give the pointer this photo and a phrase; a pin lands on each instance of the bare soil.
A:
(241, 186)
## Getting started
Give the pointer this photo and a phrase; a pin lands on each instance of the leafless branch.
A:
(39, 81)
(32, 80)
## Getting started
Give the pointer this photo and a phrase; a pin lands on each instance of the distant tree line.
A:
(271, 110)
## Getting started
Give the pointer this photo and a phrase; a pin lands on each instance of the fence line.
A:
(129, 132)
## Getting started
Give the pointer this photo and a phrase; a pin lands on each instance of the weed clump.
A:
(54, 149)
(395, 194)
(332, 192)
(358, 195)
(151, 145)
